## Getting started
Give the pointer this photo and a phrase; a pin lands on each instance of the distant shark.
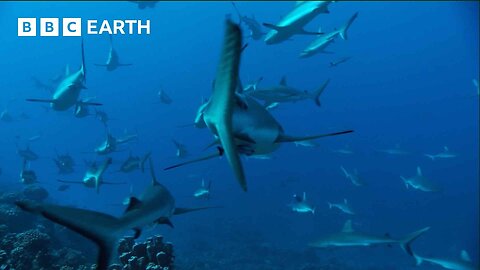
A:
(344, 151)
(342, 206)
(64, 163)
(285, 93)
(134, 163)
(27, 153)
(294, 22)
(353, 177)
(68, 91)
(27, 176)
(155, 205)
(240, 125)
(339, 61)
(301, 205)
(420, 182)
(164, 97)
(477, 87)
(256, 32)
(350, 238)
(94, 176)
(145, 4)
(397, 151)
(113, 61)
(321, 42)
(181, 149)
(443, 155)
(203, 191)
(111, 143)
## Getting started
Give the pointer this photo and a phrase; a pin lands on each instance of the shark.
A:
(341, 32)
(347, 237)
(240, 125)
(27, 153)
(293, 23)
(316, 47)
(145, 4)
(111, 143)
(6, 117)
(134, 163)
(203, 191)
(301, 205)
(164, 97)
(93, 177)
(420, 182)
(82, 110)
(344, 151)
(181, 149)
(339, 61)
(27, 176)
(395, 151)
(353, 177)
(113, 60)
(67, 93)
(64, 163)
(463, 263)
(285, 93)
(442, 155)
(102, 116)
(342, 206)
(255, 28)
(155, 205)
(306, 144)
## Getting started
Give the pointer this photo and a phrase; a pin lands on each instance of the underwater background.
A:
(408, 83)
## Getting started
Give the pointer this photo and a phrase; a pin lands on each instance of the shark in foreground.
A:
(155, 206)
(68, 90)
(285, 93)
(350, 238)
(420, 182)
(442, 155)
(294, 22)
(301, 205)
(240, 125)
(464, 263)
(94, 176)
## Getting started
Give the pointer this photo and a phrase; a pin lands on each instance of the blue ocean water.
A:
(408, 83)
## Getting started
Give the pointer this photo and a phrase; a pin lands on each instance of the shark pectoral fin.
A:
(138, 232)
(40, 100)
(180, 211)
(101, 228)
(274, 27)
(165, 221)
(133, 203)
(304, 32)
(89, 103)
(228, 143)
(286, 138)
(218, 154)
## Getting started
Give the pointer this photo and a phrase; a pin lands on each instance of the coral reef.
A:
(153, 254)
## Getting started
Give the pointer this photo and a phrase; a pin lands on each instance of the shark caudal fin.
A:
(219, 112)
(347, 175)
(318, 92)
(344, 29)
(101, 228)
(286, 138)
(408, 240)
(418, 259)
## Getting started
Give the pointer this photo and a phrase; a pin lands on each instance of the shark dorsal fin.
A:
(283, 81)
(445, 149)
(152, 173)
(464, 256)
(203, 182)
(133, 203)
(345, 201)
(347, 227)
(419, 171)
(67, 70)
(304, 196)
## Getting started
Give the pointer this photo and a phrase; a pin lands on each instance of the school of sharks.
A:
(240, 118)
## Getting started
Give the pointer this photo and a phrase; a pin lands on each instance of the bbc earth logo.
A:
(72, 27)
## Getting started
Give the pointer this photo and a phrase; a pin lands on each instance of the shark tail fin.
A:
(344, 29)
(318, 92)
(418, 259)
(329, 205)
(142, 163)
(100, 228)
(408, 240)
(344, 171)
(404, 181)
